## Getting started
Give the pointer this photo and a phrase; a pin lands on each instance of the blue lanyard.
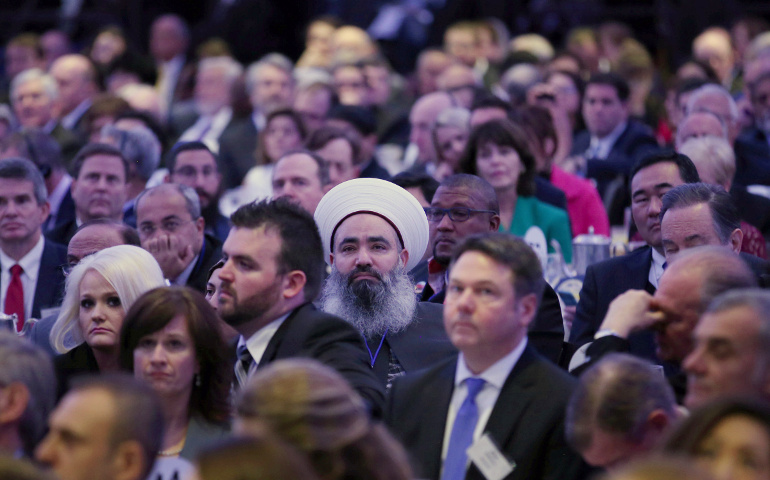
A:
(373, 358)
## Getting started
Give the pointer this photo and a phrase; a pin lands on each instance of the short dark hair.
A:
(427, 184)
(23, 169)
(724, 213)
(501, 132)
(490, 101)
(180, 147)
(687, 171)
(138, 414)
(157, 308)
(361, 118)
(92, 149)
(616, 395)
(128, 233)
(325, 134)
(301, 247)
(613, 80)
(513, 253)
(476, 184)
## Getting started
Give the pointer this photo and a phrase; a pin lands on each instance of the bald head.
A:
(350, 43)
(169, 37)
(713, 46)
(421, 118)
(97, 236)
(75, 76)
(460, 81)
(700, 124)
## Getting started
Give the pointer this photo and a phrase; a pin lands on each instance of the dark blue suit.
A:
(526, 423)
(752, 158)
(603, 282)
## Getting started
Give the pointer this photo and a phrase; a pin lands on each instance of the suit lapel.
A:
(434, 407)
(281, 342)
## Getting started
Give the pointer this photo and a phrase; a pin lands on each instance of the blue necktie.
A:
(243, 365)
(462, 433)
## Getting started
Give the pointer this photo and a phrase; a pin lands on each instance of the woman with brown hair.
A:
(313, 408)
(172, 340)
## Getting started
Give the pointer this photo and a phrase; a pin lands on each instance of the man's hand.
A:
(630, 312)
(171, 254)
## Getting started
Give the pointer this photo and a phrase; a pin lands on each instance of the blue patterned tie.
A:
(244, 364)
(462, 433)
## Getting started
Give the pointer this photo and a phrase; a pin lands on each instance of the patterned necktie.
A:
(14, 296)
(462, 433)
(244, 365)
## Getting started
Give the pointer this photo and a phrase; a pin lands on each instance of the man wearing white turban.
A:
(373, 233)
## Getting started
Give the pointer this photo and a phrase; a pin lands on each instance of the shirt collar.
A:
(68, 121)
(496, 374)
(257, 343)
(30, 262)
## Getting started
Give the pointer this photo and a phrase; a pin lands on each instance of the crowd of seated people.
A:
(318, 266)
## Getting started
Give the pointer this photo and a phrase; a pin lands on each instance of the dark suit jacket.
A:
(374, 170)
(547, 192)
(210, 254)
(50, 278)
(62, 233)
(603, 282)
(70, 143)
(78, 361)
(422, 344)
(332, 341)
(754, 209)
(65, 214)
(237, 151)
(752, 158)
(526, 423)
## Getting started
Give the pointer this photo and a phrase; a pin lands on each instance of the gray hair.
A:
(23, 169)
(191, 199)
(276, 60)
(49, 84)
(130, 270)
(139, 145)
(710, 89)
(616, 395)
(714, 154)
(453, 117)
(26, 363)
(724, 213)
(232, 68)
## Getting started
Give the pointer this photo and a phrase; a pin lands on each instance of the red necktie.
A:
(14, 296)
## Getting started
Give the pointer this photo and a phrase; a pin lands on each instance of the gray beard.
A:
(372, 307)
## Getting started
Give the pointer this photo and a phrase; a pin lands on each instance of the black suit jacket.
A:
(65, 214)
(422, 344)
(237, 151)
(210, 254)
(308, 332)
(752, 158)
(603, 282)
(526, 423)
(754, 209)
(62, 233)
(50, 278)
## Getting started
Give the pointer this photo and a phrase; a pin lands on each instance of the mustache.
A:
(364, 269)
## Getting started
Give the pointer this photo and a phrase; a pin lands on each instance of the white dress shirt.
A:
(494, 378)
(257, 343)
(30, 263)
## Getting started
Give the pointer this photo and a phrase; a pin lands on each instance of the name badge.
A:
(489, 459)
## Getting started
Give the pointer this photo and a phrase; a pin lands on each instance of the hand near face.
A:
(172, 254)
(631, 311)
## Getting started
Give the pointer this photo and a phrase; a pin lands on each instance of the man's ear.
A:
(494, 223)
(736, 238)
(526, 308)
(128, 461)
(404, 256)
(14, 399)
(293, 283)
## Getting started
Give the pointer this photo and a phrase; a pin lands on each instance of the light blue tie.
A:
(462, 433)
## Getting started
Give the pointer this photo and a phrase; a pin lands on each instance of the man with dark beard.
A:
(374, 232)
(272, 271)
(194, 165)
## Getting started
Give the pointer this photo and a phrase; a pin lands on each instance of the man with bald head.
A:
(690, 282)
(75, 76)
(714, 47)
(459, 81)
(92, 236)
(424, 111)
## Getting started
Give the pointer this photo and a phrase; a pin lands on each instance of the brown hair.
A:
(153, 311)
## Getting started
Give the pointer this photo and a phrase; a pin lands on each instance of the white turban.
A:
(378, 197)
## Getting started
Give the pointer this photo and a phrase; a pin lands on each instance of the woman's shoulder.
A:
(546, 209)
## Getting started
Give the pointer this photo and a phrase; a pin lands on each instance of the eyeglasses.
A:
(456, 214)
(168, 226)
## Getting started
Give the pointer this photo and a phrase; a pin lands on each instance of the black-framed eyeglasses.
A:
(456, 214)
